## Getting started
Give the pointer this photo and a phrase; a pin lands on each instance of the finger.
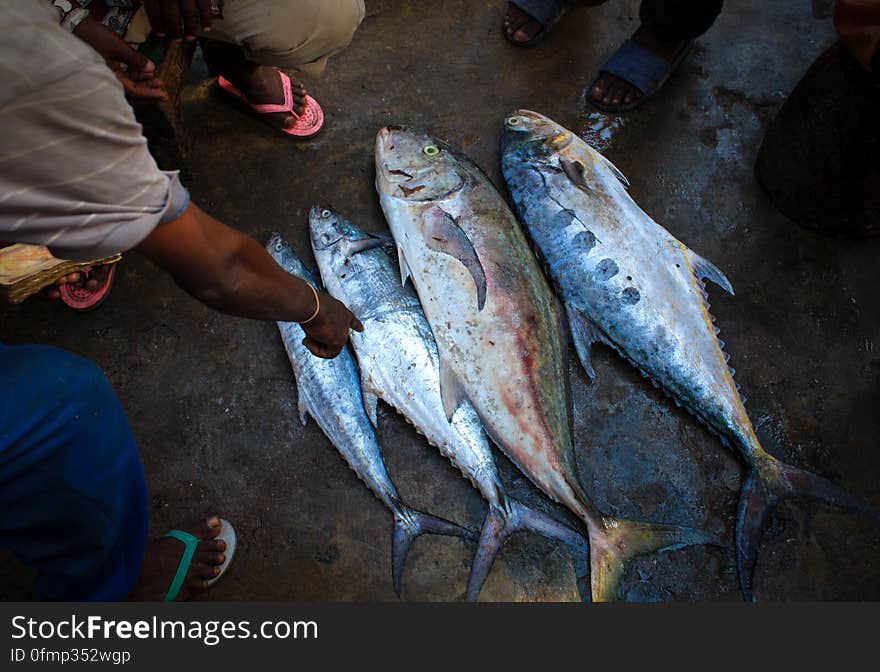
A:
(205, 15)
(191, 18)
(141, 92)
(154, 13)
(319, 349)
(356, 324)
(135, 60)
(171, 15)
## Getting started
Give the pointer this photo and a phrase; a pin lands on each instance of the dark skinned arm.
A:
(231, 272)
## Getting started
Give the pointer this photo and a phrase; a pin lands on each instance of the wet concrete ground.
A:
(211, 398)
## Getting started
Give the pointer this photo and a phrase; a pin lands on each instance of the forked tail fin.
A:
(622, 540)
(500, 523)
(410, 524)
(768, 484)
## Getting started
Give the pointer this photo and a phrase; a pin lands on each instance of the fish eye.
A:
(325, 214)
(513, 121)
(431, 150)
(279, 247)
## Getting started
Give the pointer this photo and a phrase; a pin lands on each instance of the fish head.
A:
(531, 136)
(413, 166)
(284, 255)
(335, 240)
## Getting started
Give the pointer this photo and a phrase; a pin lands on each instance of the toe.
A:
(203, 570)
(210, 559)
(211, 546)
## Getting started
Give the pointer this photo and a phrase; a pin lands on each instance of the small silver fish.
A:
(627, 282)
(329, 390)
(399, 363)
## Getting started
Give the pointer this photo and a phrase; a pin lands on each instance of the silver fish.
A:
(498, 331)
(399, 363)
(329, 390)
(627, 282)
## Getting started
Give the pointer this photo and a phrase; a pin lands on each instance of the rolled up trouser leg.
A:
(296, 34)
(818, 161)
(73, 501)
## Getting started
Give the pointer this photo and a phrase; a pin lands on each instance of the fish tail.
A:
(503, 521)
(410, 524)
(622, 540)
(769, 482)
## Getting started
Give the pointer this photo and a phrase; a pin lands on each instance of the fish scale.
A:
(641, 291)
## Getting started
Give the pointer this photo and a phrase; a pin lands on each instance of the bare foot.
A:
(612, 90)
(163, 556)
(262, 85)
(519, 26)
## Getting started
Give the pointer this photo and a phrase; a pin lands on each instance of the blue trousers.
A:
(73, 500)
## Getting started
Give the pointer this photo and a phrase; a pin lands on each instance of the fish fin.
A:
(450, 390)
(404, 267)
(766, 486)
(705, 269)
(623, 540)
(371, 402)
(410, 524)
(500, 523)
(584, 333)
(354, 247)
(443, 234)
(614, 169)
(302, 406)
(575, 172)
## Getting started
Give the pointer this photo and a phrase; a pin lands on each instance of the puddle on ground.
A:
(600, 129)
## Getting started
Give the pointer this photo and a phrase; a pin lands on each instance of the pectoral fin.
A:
(371, 243)
(442, 234)
(450, 390)
(371, 402)
(703, 268)
(575, 172)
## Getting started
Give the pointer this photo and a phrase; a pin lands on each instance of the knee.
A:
(304, 39)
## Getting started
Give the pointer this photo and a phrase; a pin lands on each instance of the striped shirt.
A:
(75, 173)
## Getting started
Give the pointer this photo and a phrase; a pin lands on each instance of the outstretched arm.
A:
(229, 271)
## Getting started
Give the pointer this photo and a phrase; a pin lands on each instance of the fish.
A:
(399, 363)
(498, 331)
(628, 283)
(329, 390)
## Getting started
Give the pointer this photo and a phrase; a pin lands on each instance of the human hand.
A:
(134, 70)
(166, 17)
(327, 334)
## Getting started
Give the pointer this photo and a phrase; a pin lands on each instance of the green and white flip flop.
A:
(190, 543)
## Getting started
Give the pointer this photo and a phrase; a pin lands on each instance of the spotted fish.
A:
(498, 331)
(628, 283)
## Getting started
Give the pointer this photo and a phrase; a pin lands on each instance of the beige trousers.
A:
(296, 34)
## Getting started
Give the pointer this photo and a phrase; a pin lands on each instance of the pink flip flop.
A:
(307, 124)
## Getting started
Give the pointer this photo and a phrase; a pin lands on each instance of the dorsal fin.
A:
(614, 169)
(705, 269)
(404, 267)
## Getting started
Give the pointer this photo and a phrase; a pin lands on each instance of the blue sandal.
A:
(641, 68)
(545, 12)
(190, 543)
